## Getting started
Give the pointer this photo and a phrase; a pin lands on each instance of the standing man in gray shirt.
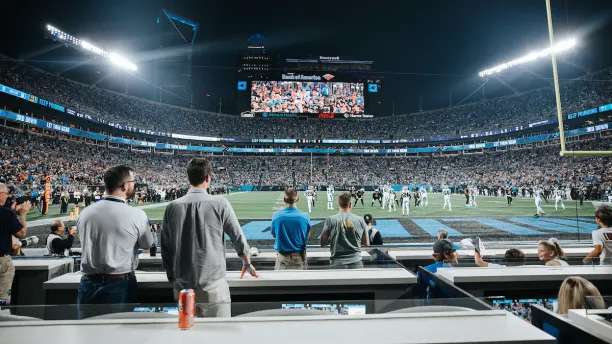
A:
(345, 233)
(193, 246)
(111, 234)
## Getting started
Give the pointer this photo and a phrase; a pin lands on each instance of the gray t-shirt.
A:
(345, 231)
(603, 237)
(111, 233)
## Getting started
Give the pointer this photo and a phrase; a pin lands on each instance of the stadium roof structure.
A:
(425, 66)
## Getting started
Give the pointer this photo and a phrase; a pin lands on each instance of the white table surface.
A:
(283, 278)
(262, 256)
(480, 326)
(593, 323)
(40, 264)
(524, 273)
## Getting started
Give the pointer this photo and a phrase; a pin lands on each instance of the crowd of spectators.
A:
(307, 97)
(506, 112)
(26, 157)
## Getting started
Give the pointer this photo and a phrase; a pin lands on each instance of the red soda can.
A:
(186, 308)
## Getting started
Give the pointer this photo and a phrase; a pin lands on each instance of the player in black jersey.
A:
(509, 196)
(377, 196)
(359, 197)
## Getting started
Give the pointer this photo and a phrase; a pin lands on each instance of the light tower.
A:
(174, 73)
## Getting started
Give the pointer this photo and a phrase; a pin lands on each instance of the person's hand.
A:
(72, 231)
(250, 268)
(23, 208)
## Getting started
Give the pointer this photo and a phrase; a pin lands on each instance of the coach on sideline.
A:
(290, 228)
(192, 243)
(111, 233)
(345, 233)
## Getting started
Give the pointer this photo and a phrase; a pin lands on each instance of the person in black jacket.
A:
(64, 202)
(373, 233)
(57, 244)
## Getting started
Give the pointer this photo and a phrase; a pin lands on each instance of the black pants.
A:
(509, 198)
(64, 208)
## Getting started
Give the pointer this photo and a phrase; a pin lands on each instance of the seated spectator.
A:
(512, 257)
(373, 233)
(444, 256)
(442, 234)
(578, 293)
(602, 237)
(57, 244)
(550, 252)
(290, 228)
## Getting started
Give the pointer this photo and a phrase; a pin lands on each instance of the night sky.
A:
(427, 52)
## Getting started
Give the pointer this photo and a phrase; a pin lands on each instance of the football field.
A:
(492, 219)
(262, 204)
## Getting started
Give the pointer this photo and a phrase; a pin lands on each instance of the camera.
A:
(29, 241)
(14, 199)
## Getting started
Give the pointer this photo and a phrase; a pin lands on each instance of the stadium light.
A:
(558, 48)
(114, 58)
(122, 62)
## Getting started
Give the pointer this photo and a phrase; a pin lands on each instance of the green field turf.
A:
(261, 205)
(492, 220)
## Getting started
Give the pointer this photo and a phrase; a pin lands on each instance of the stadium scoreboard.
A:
(324, 88)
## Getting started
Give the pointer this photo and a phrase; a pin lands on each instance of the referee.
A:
(111, 234)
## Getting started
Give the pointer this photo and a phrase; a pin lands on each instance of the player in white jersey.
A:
(330, 197)
(538, 201)
(568, 193)
(473, 191)
(391, 200)
(385, 199)
(446, 192)
(559, 199)
(424, 197)
(405, 201)
(309, 193)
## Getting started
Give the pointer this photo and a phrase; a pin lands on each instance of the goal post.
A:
(563, 152)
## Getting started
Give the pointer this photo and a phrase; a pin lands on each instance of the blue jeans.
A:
(106, 295)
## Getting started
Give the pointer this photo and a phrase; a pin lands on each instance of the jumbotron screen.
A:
(307, 97)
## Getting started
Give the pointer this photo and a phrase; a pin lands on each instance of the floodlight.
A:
(534, 55)
(90, 47)
(122, 62)
(116, 59)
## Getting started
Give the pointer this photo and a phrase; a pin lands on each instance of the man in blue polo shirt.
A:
(445, 256)
(290, 228)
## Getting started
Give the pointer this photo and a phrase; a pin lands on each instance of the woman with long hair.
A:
(578, 293)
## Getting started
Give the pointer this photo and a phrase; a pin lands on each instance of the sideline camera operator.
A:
(12, 223)
(57, 245)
